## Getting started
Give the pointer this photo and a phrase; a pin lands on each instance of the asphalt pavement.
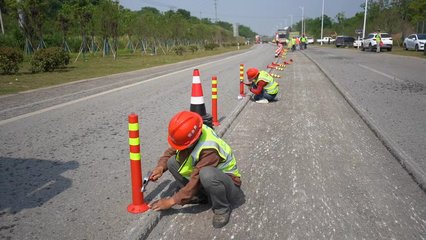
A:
(311, 169)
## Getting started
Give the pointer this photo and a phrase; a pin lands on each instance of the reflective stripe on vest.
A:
(209, 140)
(271, 85)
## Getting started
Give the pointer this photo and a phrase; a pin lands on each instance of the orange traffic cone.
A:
(271, 66)
(197, 99)
(274, 66)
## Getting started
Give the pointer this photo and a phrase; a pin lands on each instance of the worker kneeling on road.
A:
(263, 85)
(204, 167)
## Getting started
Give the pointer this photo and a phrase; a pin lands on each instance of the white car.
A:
(370, 42)
(310, 40)
(326, 40)
(358, 42)
(415, 42)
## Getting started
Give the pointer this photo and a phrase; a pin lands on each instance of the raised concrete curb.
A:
(405, 160)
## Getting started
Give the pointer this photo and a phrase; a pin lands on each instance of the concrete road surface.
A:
(311, 169)
(389, 91)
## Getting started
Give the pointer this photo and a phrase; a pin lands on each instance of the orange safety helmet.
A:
(184, 129)
(252, 73)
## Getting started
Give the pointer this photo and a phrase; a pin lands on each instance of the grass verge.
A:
(93, 65)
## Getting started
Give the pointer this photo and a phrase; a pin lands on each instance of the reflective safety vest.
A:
(293, 41)
(378, 38)
(303, 39)
(271, 85)
(209, 140)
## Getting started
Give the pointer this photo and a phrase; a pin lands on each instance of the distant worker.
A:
(303, 41)
(204, 167)
(293, 44)
(263, 85)
(378, 41)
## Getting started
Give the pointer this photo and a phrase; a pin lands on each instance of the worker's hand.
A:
(157, 172)
(162, 204)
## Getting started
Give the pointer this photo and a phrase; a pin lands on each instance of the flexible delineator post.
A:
(242, 80)
(138, 205)
(214, 101)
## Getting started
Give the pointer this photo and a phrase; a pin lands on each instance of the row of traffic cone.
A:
(280, 51)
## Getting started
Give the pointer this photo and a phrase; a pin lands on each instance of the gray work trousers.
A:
(220, 188)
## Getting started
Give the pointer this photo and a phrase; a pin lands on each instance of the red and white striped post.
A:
(241, 81)
(138, 205)
(214, 101)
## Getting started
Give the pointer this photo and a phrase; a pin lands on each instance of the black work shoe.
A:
(220, 220)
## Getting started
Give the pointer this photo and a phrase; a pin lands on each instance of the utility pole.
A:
(1, 22)
(322, 22)
(365, 19)
(215, 11)
(303, 10)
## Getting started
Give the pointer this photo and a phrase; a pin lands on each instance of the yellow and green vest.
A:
(378, 38)
(271, 86)
(209, 140)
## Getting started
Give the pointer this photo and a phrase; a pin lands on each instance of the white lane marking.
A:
(51, 99)
(107, 92)
(382, 73)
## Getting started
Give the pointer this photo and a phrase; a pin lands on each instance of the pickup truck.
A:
(326, 40)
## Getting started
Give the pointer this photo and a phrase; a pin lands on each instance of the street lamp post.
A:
(303, 9)
(322, 22)
(365, 19)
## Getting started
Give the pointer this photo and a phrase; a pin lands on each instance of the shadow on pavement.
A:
(159, 190)
(29, 183)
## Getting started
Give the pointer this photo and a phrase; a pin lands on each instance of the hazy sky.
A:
(262, 16)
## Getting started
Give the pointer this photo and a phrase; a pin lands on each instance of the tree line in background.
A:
(106, 26)
(397, 17)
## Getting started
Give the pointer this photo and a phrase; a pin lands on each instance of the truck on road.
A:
(258, 40)
(282, 35)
